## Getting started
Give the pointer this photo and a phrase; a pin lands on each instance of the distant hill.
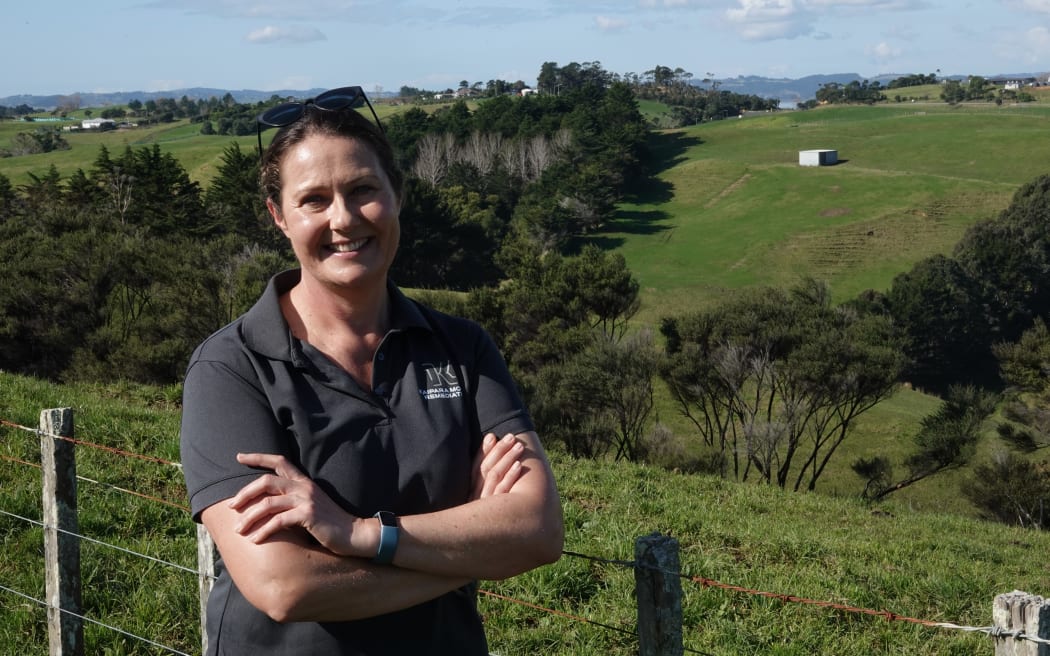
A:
(793, 91)
(87, 99)
(789, 91)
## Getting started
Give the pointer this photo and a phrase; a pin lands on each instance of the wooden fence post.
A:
(205, 578)
(659, 591)
(1020, 611)
(61, 540)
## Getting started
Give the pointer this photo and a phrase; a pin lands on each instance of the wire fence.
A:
(1017, 624)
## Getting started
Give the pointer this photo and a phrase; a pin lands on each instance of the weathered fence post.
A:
(205, 578)
(659, 591)
(1020, 611)
(61, 541)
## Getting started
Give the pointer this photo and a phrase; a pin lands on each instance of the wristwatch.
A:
(388, 534)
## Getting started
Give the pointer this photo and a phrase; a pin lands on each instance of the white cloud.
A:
(271, 34)
(761, 20)
(607, 24)
(867, 4)
(883, 52)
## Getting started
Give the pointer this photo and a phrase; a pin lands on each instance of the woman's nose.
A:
(342, 214)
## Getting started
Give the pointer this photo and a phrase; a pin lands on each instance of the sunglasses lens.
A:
(281, 115)
(339, 98)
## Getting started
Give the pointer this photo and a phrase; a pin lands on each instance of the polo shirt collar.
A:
(266, 332)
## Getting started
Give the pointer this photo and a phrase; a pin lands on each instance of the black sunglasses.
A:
(332, 100)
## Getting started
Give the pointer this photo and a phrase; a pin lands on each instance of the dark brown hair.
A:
(338, 123)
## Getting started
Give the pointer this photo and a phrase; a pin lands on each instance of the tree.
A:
(234, 205)
(1010, 258)
(602, 398)
(1025, 367)
(1011, 490)
(773, 381)
(938, 306)
(946, 440)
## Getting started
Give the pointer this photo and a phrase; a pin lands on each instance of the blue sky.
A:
(62, 47)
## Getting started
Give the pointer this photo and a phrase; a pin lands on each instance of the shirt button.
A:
(380, 357)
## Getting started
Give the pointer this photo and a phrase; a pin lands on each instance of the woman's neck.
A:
(345, 327)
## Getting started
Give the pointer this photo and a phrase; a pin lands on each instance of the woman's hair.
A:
(339, 123)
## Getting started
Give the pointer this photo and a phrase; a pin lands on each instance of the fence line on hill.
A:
(1021, 621)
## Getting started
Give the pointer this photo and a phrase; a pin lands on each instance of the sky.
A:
(67, 46)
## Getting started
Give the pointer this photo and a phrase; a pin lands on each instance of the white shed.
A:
(822, 157)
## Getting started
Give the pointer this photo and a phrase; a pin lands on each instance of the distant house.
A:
(98, 124)
(822, 157)
(528, 92)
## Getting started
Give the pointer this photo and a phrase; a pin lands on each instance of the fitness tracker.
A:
(388, 533)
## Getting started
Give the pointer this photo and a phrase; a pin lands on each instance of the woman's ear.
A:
(275, 212)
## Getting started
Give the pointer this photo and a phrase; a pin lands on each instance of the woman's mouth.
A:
(348, 246)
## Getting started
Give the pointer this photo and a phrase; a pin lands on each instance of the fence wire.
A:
(703, 582)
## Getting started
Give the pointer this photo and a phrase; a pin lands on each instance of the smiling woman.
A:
(359, 459)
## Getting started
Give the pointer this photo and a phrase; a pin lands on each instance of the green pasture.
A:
(732, 207)
(200, 155)
(914, 562)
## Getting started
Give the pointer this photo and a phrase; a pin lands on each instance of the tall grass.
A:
(924, 565)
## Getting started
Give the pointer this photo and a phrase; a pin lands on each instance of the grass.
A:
(733, 208)
(925, 565)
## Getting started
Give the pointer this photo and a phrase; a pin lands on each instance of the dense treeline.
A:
(119, 271)
(691, 104)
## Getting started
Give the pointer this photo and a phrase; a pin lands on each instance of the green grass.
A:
(919, 564)
(734, 208)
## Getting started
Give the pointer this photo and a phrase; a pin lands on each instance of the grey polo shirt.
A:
(438, 385)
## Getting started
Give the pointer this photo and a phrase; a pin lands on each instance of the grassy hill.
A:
(924, 565)
(734, 208)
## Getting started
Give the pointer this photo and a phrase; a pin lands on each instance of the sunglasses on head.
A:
(332, 100)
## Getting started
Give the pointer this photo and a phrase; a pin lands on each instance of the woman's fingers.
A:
(500, 465)
(288, 499)
(278, 464)
(284, 476)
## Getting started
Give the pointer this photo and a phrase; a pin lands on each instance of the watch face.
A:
(387, 518)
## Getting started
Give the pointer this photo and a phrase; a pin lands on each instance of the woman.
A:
(339, 441)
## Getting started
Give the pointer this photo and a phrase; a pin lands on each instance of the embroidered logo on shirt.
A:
(441, 382)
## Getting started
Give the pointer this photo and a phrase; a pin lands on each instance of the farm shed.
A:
(821, 157)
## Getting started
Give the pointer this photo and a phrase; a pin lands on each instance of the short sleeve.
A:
(499, 405)
(223, 414)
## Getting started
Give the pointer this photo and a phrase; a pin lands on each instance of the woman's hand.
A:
(285, 499)
(497, 466)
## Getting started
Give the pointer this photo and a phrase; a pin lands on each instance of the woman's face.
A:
(339, 211)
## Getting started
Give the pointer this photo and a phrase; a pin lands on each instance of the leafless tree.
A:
(481, 150)
(432, 158)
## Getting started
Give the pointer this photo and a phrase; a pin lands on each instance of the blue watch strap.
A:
(388, 534)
